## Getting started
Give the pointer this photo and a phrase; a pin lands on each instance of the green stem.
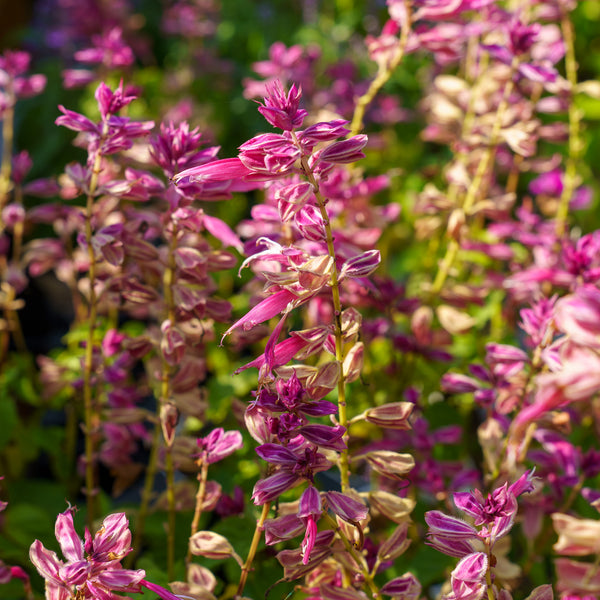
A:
(91, 416)
(168, 281)
(575, 144)
(146, 496)
(476, 188)
(384, 73)
(358, 558)
(7, 145)
(253, 548)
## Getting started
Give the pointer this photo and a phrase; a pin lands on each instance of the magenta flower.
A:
(282, 110)
(92, 569)
(468, 578)
(309, 511)
(219, 444)
(493, 518)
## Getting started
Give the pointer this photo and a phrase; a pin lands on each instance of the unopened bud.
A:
(456, 222)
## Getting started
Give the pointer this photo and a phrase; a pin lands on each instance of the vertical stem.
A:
(202, 477)
(91, 416)
(475, 188)
(146, 496)
(168, 280)
(384, 72)
(253, 547)
(575, 144)
(488, 573)
(358, 558)
(337, 311)
(7, 144)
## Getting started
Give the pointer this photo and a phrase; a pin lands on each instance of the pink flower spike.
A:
(281, 110)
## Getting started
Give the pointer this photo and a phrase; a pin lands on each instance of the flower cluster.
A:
(493, 518)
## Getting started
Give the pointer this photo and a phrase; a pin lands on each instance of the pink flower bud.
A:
(448, 527)
(345, 151)
(406, 587)
(211, 545)
(390, 464)
(391, 506)
(324, 132)
(310, 223)
(346, 507)
(13, 214)
(362, 265)
(471, 568)
(218, 170)
(282, 528)
(169, 416)
(396, 544)
(172, 343)
(394, 415)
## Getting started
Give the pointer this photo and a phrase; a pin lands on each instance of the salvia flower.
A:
(219, 444)
(92, 567)
(282, 110)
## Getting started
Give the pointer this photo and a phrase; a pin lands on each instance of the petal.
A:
(70, 543)
(264, 310)
(46, 562)
(448, 527)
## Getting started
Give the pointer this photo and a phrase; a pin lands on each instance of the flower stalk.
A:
(91, 416)
(344, 462)
(384, 72)
(575, 143)
(253, 548)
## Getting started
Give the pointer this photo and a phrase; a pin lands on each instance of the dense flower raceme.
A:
(92, 568)
(298, 168)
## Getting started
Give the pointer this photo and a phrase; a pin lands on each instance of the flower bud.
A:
(395, 545)
(406, 587)
(362, 265)
(390, 464)
(310, 223)
(346, 507)
(391, 506)
(345, 151)
(394, 415)
(211, 545)
(353, 362)
(323, 381)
